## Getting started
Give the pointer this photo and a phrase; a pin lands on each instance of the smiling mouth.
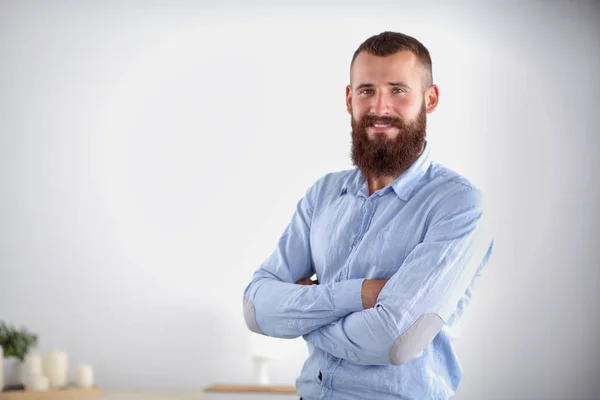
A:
(379, 127)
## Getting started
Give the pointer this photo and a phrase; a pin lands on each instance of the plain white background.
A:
(151, 153)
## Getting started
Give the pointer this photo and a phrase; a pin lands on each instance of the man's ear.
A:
(432, 96)
(349, 99)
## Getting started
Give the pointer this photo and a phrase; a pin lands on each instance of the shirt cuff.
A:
(347, 297)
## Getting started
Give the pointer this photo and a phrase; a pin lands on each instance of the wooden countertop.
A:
(250, 389)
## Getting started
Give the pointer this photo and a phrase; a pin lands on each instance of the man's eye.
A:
(366, 91)
(398, 90)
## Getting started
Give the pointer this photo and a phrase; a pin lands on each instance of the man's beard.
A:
(385, 157)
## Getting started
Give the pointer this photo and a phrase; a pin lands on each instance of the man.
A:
(396, 245)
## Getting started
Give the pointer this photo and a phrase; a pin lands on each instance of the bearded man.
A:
(396, 245)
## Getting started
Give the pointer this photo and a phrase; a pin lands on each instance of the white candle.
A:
(1, 368)
(37, 383)
(261, 372)
(84, 376)
(31, 366)
(55, 366)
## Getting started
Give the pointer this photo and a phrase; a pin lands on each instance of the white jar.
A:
(84, 376)
(55, 367)
(32, 366)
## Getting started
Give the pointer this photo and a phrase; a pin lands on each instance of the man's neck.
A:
(377, 183)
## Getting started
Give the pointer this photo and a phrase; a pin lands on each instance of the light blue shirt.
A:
(425, 232)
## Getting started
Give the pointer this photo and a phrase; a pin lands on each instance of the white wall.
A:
(152, 153)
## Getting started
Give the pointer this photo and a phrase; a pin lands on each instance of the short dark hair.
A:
(388, 43)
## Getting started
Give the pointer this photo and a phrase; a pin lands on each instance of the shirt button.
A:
(324, 389)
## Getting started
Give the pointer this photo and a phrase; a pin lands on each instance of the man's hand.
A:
(370, 291)
(307, 281)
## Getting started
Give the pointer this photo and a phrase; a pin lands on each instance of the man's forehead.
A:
(401, 65)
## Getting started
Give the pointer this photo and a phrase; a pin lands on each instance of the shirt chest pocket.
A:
(389, 249)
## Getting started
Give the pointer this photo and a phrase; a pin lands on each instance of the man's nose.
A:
(381, 104)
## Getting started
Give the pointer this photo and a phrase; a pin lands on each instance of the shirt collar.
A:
(403, 185)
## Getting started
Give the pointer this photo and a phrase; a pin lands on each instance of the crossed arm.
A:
(372, 322)
(275, 305)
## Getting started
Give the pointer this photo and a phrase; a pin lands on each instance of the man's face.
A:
(388, 105)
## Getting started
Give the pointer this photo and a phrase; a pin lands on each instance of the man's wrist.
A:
(370, 290)
(347, 296)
